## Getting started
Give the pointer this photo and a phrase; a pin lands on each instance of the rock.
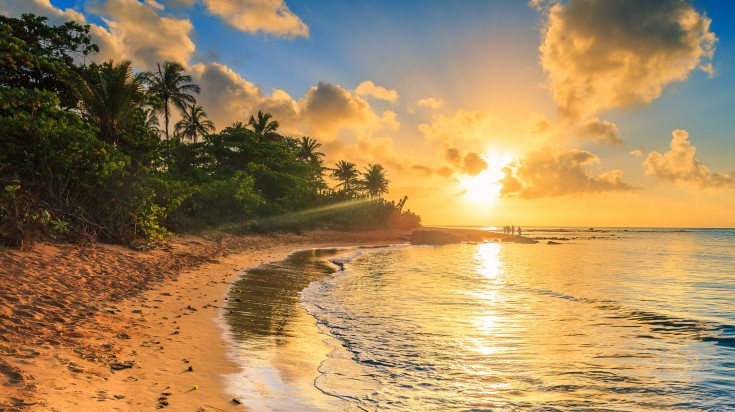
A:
(434, 237)
(122, 365)
(551, 242)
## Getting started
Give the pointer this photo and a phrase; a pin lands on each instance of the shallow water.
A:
(610, 320)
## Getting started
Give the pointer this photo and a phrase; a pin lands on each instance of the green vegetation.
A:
(82, 157)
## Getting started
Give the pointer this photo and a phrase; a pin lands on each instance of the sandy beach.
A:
(103, 327)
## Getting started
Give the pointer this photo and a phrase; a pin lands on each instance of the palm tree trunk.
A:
(165, 115)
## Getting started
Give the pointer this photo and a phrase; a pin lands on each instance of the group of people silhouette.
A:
(511, 230)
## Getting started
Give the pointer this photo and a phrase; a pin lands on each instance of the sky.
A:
(484, 112)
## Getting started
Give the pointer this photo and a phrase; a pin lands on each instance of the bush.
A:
(218, 202)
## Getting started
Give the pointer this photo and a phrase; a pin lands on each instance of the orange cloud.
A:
(465, 125)
(603, 54)
(142, 35)
(40, 8)
(468, 162)
(328, 107)
(550, 172)
(323, 111)
(368, 88)
(428, 102)
(679, 166)
(252, 16)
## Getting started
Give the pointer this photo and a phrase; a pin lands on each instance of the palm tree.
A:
(346, 173)
(237, 126)
(374, 181)
(110, 96)
(263, 125)
(193, 122)
(172, 87)
(306, 150)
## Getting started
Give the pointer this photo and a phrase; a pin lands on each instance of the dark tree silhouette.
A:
(374, 181)
(306, 150)
(346, 173)
(193, 123)
(263, 125)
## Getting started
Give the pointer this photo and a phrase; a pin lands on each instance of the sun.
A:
(484, 188)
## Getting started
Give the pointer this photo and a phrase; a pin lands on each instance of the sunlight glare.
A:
(484, 188)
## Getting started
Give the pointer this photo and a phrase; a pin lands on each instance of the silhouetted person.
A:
(519, 230)
(512, 230)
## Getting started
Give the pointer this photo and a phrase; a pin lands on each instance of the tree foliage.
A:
(81, 155)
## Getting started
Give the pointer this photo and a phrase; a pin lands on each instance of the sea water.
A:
(610, 319)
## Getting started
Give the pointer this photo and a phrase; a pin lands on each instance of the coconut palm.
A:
(110, 96)
(346, 173)
(374, 181)
(306, 150)
(193, 123)
(263, 125)
(172, 87)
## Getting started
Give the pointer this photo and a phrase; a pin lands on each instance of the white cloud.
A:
(252, 16)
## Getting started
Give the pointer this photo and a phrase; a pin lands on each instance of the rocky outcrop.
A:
(434, 237)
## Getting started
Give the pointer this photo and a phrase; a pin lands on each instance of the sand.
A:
(103, 327)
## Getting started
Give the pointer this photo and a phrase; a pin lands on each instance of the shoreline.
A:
(107, 327)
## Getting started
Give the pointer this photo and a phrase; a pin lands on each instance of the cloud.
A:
(600, 131)
(428, 102)
(538, 124)
(603, 54)
(637, 152)
(368, 88)
(328, 107)
(252, 16)
(226, 96)
(323, 112)
(445, 171)
(422, 170)
(140, 34)
(679, 166)
(110, 46)
(56, 16)
(135, 30)
(370, 149)
(186, 3)
(468, 162)
(389, 120)
(154, 4)
(551, 172)
(464, 125)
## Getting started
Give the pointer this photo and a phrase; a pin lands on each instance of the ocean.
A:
(618, 319)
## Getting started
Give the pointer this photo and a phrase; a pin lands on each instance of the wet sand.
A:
(275, 340)
(108, 328)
